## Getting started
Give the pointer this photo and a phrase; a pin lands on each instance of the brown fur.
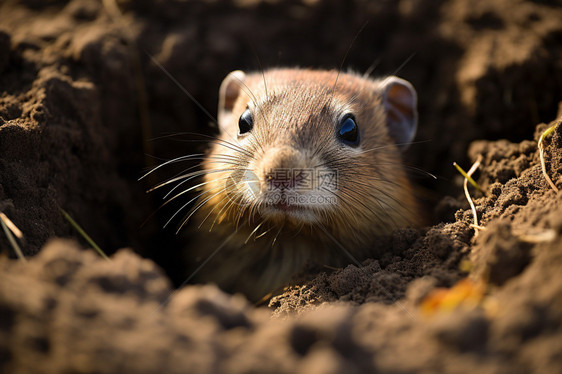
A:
(295, 127)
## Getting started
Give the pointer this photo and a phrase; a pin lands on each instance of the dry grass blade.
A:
(83, 233)
(547, 132)
(467, 176)
(547, 235)
(10, 228)
(477, 227)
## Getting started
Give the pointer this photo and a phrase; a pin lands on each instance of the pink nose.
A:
(283, 168)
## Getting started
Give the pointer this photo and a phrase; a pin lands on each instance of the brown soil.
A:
(72, 80)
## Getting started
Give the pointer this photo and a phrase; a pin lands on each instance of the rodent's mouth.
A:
(300, 207)
(284, 210)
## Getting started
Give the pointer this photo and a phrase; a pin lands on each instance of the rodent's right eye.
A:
(245, 123)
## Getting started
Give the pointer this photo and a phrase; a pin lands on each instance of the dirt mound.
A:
(79, 94)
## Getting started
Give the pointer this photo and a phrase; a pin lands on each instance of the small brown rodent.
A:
(307, 167)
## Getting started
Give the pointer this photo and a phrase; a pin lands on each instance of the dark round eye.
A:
(348, 132)
(246, 122)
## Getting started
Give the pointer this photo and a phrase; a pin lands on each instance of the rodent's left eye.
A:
(245, 123)
(348, 132)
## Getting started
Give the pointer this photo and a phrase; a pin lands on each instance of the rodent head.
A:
(297, 148)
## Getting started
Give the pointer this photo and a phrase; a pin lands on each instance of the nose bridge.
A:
(284, 157)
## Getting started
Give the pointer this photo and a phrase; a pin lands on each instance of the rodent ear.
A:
(228, 93)
(400, 102)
